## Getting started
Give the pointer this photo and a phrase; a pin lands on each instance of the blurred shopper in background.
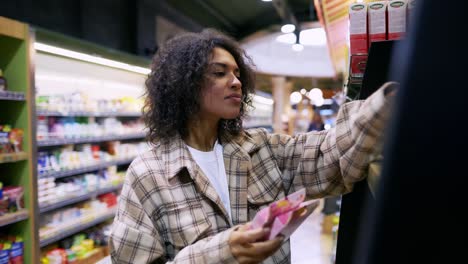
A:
(191, 197)
(317, 122)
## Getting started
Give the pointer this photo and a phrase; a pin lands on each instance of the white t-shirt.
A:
(212, 164)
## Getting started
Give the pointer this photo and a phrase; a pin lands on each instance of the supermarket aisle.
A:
(308, 244)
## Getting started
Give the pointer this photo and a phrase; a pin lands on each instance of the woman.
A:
(190, 198)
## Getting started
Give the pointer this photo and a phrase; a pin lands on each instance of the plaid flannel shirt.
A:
(168, 211)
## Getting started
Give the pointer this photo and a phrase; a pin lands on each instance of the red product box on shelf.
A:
(358, 28)
(377, 12)
(358, 65)
(396, 23)
(109, 198)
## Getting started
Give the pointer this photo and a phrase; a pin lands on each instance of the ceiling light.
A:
(288, 28)
(267, 0)
(313, 37)
(89, 58)
(295, 97)
(297, 47)
(315, 94)
(289, 38)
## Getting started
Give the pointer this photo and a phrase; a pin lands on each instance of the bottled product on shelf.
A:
(59, 128)
(3, 82)
(75, 157)
(79, 104)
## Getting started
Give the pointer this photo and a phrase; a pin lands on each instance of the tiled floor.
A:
(308, 244)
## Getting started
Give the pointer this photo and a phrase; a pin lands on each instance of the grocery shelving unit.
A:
(22, 63)
(17, 109)
(65, 69)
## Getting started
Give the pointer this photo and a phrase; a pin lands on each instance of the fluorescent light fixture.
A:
(267, 0)
(263, 100)
(289, 38)
(313, 37)
(89, 58)
(288, 28)
(315, 93)
(295, 97)
(297, 47)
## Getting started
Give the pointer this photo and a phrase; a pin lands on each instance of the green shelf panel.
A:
(14, 61)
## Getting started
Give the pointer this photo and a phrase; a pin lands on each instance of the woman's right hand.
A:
(245, 248)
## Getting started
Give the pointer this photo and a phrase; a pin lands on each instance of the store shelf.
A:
(13, 157)
(12, 96)
(58, 142)
(83, 113)
(84, 197)
(73, 227)
(11, 218)
(82, 170)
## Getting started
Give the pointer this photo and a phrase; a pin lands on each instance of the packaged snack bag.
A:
(283, 217)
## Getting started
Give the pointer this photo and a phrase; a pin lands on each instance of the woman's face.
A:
(221, 90)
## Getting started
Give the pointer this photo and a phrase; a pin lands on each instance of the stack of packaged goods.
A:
(372, 22)
(11, 199)
(11, 250)
(72, 157)
(67, 219)
(52, 190)
(11, 140)
(85, 247)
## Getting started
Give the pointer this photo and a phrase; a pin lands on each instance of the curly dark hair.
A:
(173, 88)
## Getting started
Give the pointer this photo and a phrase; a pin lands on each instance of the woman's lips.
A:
(234, 98)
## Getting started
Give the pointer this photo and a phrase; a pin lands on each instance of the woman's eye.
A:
(219, 74)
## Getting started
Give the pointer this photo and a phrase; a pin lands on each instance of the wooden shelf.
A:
(11, 218)
(13, 157)
(13, 29)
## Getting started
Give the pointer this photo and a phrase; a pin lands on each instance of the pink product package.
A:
(396, 21)
(377, 12)
(283, 217)
(358, 28)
